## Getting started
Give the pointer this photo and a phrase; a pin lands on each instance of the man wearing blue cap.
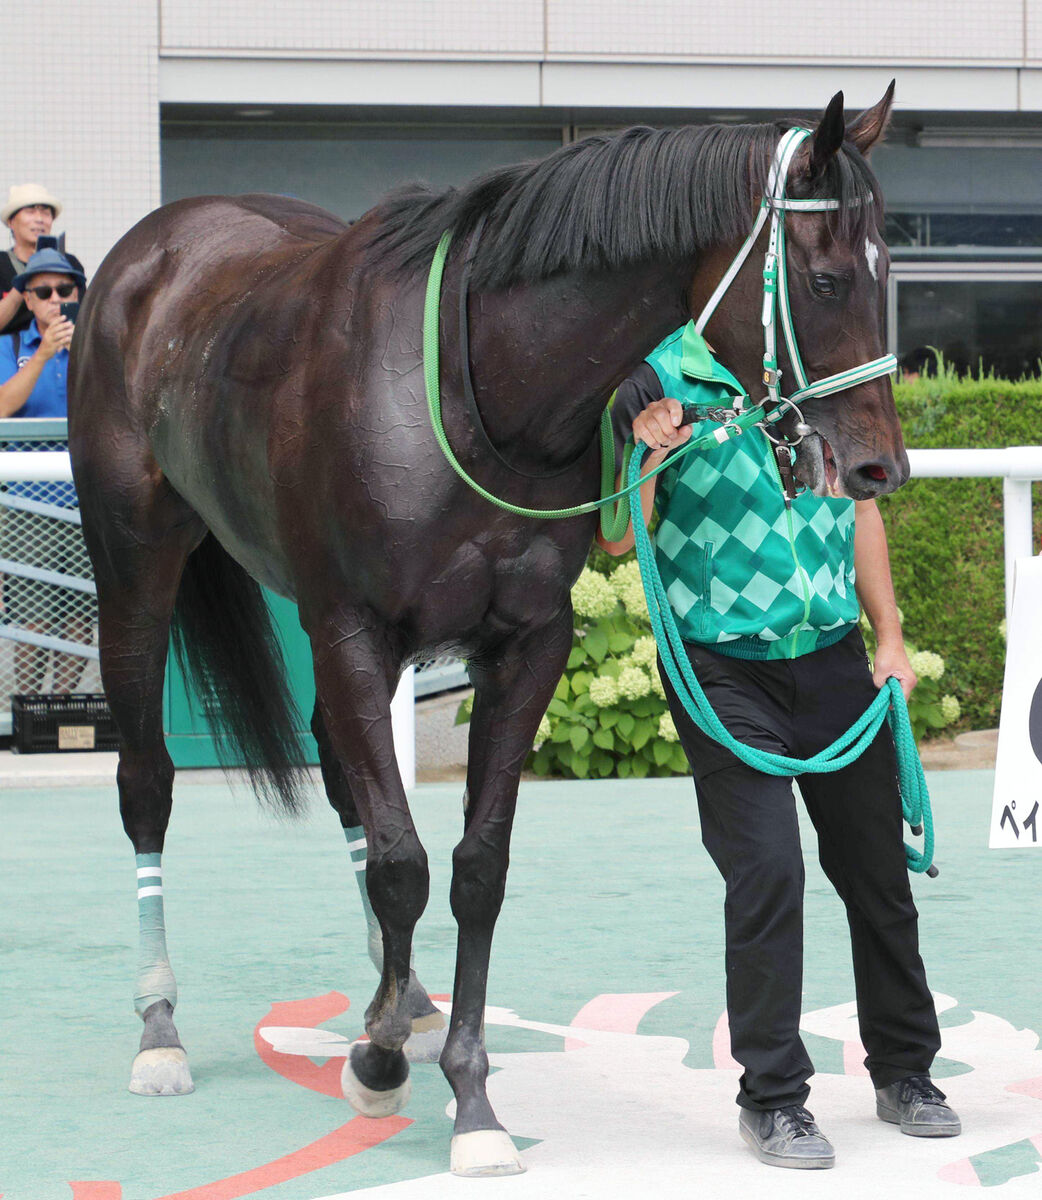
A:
(34, 363)
(34, 371)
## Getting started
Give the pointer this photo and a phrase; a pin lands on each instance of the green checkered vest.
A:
(743, 573)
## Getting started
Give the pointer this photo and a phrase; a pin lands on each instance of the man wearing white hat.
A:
(29, 212)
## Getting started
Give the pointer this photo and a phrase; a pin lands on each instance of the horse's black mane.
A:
(607, 201)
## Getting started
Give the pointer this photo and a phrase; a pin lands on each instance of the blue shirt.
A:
(49, 398)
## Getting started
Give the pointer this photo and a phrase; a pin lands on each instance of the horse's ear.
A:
(828, 137)
(866, 130)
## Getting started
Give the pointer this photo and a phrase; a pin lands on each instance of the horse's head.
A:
(837, 275)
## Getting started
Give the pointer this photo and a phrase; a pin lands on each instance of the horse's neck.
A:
(545, 358)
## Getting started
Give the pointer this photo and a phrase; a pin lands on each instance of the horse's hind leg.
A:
(428, 1025)
(512, 690)
(354, 676)
(137, 571)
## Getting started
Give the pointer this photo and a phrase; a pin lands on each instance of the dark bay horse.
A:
(247, 408)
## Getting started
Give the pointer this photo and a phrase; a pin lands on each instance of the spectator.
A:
(33, 378)
(29, 212)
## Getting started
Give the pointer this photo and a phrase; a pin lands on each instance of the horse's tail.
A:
(229, 653)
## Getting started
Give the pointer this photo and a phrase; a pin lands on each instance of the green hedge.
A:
(946, 537)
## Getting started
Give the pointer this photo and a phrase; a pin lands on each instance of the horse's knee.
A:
(398, 882)
(479, 875)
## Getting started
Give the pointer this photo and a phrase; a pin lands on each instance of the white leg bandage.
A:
(155, 979)
(356, 844)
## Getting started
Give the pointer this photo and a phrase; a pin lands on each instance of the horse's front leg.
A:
(355, 672)
(512, 690)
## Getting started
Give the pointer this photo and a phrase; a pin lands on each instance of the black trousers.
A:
(798, 707)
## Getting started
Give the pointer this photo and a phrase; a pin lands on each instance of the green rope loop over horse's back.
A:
(614, 521)
(889, 705)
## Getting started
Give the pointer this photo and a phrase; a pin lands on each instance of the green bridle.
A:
(776, 306)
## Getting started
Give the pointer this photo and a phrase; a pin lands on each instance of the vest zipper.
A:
(804, 577)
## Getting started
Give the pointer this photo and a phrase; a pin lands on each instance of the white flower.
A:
(626, 584)
(624, 576)
(1003, 633)
(644, 653)
(657, 685)
(604, 691)
(543, 732)
(927, 665)
(950, 709)
(635, 603)
(592, 596)
(634, 683)
(667, 729)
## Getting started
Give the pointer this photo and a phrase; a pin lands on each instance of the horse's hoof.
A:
(485, 1152)
(161, 1072)
(368, 1101)
(428, 1038)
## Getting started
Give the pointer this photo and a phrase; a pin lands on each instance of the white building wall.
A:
(91, 134)
(929, 31)
(90, 131)
(409, 27)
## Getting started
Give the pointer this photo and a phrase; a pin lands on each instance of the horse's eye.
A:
(823, 285)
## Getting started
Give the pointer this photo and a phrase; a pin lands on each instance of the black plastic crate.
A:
(45, 724)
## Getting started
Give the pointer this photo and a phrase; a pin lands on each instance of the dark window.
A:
(921, 230)
(994, 325)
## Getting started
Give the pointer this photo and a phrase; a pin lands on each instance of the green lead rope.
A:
(889, 705)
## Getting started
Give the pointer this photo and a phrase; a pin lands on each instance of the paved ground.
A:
(606, 992)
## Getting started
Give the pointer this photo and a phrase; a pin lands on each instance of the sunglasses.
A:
(43, 292)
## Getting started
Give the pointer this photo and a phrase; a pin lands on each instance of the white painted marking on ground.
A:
(624, 1117)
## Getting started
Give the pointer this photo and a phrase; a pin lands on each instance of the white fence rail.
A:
(1017, 466)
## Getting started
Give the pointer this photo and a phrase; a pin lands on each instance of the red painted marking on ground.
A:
(357, 1135)
(854, 1059)
(1027, 1087)
(959, 1172)
(614, 1012)
(1036, 1141)
(441, 996)
(295, 1067)
(722, 1059)
(95, 1189)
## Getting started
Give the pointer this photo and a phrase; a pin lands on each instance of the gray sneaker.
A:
(786, 1137)
(918, 1107)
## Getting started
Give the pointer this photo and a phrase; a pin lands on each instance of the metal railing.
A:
(47, 595)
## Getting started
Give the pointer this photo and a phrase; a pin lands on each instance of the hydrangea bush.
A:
(929, 709)
(609, 714)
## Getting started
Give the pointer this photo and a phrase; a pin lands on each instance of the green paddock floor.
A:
(609, 891)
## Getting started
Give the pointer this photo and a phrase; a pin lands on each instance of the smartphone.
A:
(69, 310)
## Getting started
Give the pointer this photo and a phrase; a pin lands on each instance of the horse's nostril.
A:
(875, 471)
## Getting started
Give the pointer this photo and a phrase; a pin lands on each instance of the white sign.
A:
(1016, 811)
